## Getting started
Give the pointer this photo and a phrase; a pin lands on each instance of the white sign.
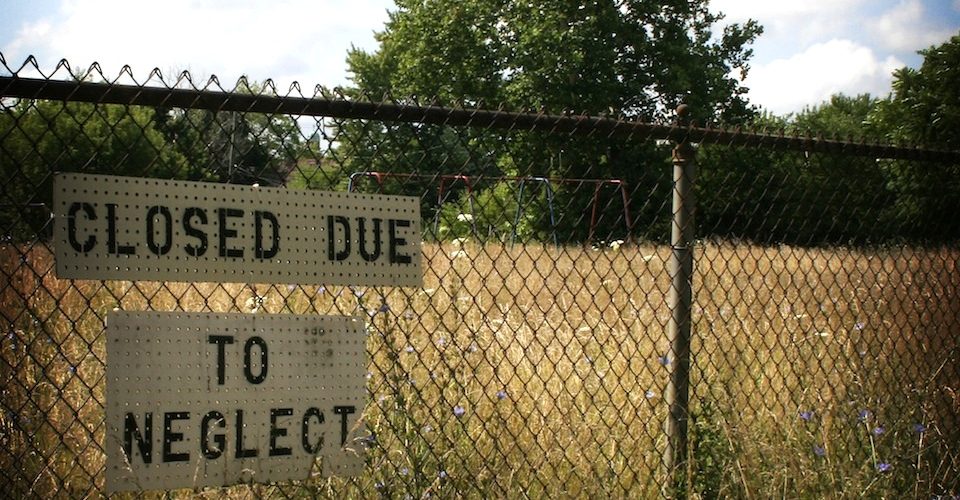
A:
(128, 228)
(203, 399)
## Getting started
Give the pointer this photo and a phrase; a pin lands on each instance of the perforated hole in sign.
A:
(145, 229)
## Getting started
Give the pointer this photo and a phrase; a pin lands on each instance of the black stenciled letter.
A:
(344, 411)
(167, 230)
(242, 453)
(226, 233)
(112, 245)
(308, 447)
(170, 437)
(332, 253)
(72, 226)
(221, 341)
(193, 232)
(144, 440)
(395, 256)
(276, 432)
(258, 218)
(247, 368)
(220, 439)
(361, 230)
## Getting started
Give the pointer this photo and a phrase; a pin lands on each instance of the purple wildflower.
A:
(404, 471)
(884, 467)
(384, 308)
(819, 451)
(806, 415)
(919, 428)
(863, 415)
(442, 474)
(859, 326)
(878, 430)
(409, 348)
(459, 411)
(649, 394)
(664, 360)
(501, 394)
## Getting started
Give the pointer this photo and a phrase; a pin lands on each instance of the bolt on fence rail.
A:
(801, 337)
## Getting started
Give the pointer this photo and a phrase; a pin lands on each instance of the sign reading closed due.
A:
(206, 399)
(150, 229)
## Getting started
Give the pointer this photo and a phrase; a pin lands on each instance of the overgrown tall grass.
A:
(539, 371)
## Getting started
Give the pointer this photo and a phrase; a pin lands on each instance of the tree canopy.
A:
(925, 105)
(637, 58)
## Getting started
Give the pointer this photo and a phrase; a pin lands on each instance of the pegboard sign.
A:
(203, 399)
(128, 228)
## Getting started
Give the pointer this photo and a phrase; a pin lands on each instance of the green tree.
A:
(841, 117)
(925, 105)
(243, 148)
(634, 58)
(39, 138)
(924, 110)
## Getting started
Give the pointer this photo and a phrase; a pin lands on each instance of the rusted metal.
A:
(677, 359)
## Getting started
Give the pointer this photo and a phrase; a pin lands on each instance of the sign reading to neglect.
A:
(148, 229)
(201, 399)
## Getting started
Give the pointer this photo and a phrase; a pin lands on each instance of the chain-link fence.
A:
(555, 348)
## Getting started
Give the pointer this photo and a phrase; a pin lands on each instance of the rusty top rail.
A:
(108, 93)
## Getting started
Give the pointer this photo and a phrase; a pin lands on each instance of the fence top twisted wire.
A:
(340, 106)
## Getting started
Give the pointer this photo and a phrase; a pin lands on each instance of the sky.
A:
(810, 49)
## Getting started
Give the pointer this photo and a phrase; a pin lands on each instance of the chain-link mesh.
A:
(534, 361)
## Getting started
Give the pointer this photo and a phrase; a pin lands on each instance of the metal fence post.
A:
(681, 272)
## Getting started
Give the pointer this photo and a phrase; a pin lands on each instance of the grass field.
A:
(540, 371)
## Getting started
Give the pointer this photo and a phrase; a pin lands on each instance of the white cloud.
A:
(765, 9)
(812, 76)
(305, 40)
(799, 22)
(906, 28)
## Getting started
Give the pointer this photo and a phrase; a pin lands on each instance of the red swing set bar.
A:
(469, 181)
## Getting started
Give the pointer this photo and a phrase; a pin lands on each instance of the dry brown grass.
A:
(572, 337)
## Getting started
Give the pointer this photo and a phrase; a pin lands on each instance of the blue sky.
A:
(810, 48)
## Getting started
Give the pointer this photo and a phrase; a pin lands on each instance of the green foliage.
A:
(44, 137)
(638, 59)
(842, 117)
(497, 213)
(713, 456)
(925, 105)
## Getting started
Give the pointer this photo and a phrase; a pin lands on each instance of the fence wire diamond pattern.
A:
(536, 359)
